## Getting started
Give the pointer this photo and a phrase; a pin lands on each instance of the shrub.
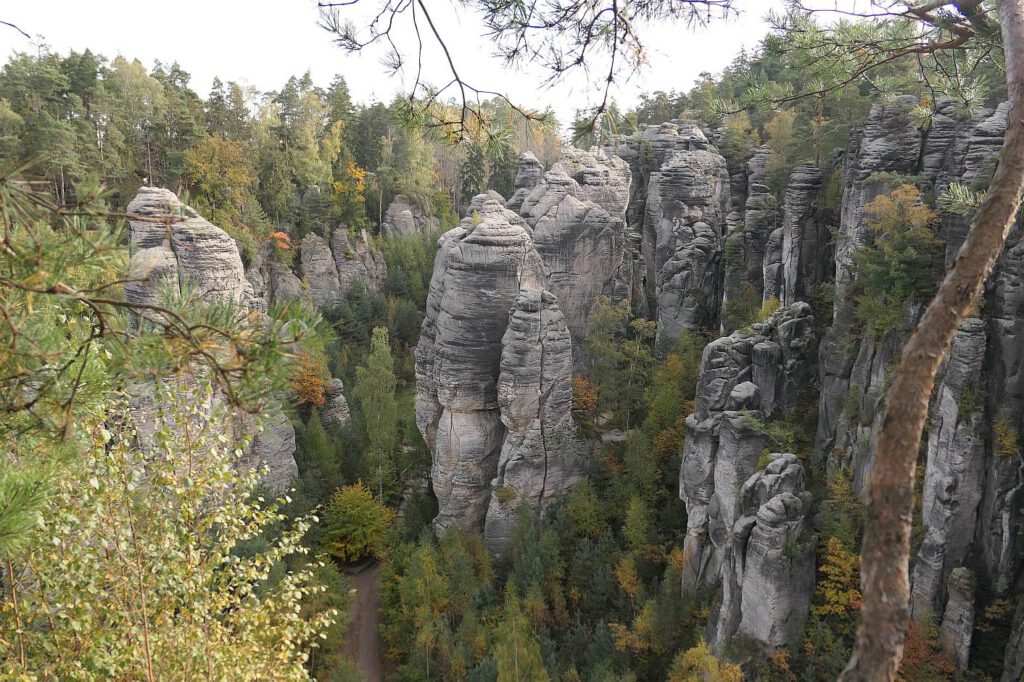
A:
(355, 523)
(1005, 437)
(310, 380)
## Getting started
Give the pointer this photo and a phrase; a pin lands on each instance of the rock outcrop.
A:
(888, 143)
(685, 223)
(954, 473)
(528, 174)
(405, 217)
(1013, 661)
(329, 271)
(958, 621)
(467, 374)
(773, 548)
(174, 247)
(539, 460)
(805, 242)
(577, 212)
(335, 414)
(760, 373)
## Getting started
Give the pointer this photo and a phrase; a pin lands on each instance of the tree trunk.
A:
(885, 556)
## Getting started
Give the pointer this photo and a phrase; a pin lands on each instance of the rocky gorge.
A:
(662, 222)
(660, 219)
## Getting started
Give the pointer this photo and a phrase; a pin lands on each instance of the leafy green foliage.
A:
(375, 392)
(620, 359)
(355, 523)
(901, 264)
(139, 562)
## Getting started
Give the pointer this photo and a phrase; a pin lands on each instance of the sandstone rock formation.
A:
(405, 217)
(685, 222)
(476, 400)
(958, 619)
(805, 243)
(173, 246)
(577, 212)
(335, 414)
(773, 555)
(760, 373)
(329, 271)
(539, 458)
(954, 473)
(528, 174)
(853, 367)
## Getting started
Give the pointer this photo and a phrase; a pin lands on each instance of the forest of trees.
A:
(104, 547)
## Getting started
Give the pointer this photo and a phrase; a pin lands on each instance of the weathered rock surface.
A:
(187, 250)
(405, 217)
(273, 445)
(584, 245)
(958, 620)
(1013, 662)
(777, 578)
(478, 201)
(805, 253)
(205, 257)
(470, 385)
(760, 220)
(645, 153)
(357, 260)
(1001, 524)
(685, 222)
(539, 460)
(335, 414)
(762, 374)
(319, 273)
(329, 271)
(528, 174)
(888, 143)
(954, 473)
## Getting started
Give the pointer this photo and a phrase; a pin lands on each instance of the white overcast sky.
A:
(263, 42)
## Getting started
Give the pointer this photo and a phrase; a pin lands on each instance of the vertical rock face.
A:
(760, 220)
(186, 250)
(969, 160)
(357, 259)
(777, 545)
(1013, 662)
(174, 244)
(954, 473)
(645, 153)
(404, 217)
(958, 620)
(539, 460)
(888, 143)
(685, 221)
(528, 174)
(329, 271)
(335, 414)
(319, 272)
(470, 385)
(805, 253)
(1002, 506)
(762, 373)
(577, 211)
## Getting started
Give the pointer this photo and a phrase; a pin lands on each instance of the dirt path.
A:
(362, 641)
